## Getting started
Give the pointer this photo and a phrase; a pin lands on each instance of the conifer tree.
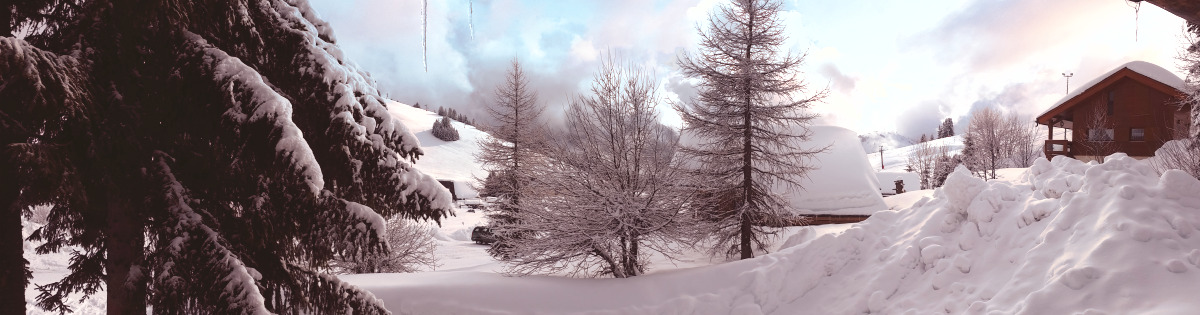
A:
(748, 125)
(946, 129)
(205, 157)
(513, 148)
(444, 130)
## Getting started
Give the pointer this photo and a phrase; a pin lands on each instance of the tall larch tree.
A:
(748, 122)
(205, 157)
(513, 148)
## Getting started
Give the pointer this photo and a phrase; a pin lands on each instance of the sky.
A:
(889, 66)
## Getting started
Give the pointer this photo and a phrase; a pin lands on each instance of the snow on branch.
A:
(253, 101)
(191, 257)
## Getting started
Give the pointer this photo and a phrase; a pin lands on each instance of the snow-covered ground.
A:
(1061, 237)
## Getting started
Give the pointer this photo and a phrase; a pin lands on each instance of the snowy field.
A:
(1061, 237)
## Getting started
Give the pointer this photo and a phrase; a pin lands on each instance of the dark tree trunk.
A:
(6, 20)
(125, 240)
(747, 169)
(14, 270)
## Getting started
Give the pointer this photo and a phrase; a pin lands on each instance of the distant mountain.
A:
(889, 140)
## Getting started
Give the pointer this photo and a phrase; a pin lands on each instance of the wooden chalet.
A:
(1133, 109)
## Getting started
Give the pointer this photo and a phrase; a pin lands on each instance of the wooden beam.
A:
(1187, 9)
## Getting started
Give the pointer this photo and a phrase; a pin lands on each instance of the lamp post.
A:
(1068, 75)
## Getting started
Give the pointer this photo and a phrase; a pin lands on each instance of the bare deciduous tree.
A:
(923, 160)
(411, 249)
(610, 192)
(999, 141)
(747, 125)
(1177, 155)
(1098, 133)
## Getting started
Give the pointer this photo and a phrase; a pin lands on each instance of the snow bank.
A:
(843, 181)
(1063, 238)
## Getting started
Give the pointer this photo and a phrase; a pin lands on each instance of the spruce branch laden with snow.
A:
(212, 162)
(747, 123)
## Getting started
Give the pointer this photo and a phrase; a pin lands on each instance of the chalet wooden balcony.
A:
(1058, 147)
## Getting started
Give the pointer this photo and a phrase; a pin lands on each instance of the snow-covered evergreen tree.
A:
(611, 193)
(444, 129)
(206, 157)
(513, 148)
(747, 123)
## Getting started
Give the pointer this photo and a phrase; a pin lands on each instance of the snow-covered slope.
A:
(1063, 237)
(842, 182)
(896, 160)
(453, 160)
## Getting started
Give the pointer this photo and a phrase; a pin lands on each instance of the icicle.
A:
(1137, 6)
(425, 34)
(471, 17)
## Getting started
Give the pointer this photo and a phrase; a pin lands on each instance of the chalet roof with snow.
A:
(1142, 72)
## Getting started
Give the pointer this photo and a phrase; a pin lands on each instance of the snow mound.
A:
(1062, 238)
(842, 183)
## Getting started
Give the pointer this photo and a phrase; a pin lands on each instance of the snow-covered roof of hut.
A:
(1150, 70)
(843, 183)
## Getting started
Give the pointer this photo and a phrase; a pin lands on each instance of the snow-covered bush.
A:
(443, 129)
(1181, 155)
(410, 246)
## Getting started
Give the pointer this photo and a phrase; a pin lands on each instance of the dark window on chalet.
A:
(1137, 134)
(1111, 99)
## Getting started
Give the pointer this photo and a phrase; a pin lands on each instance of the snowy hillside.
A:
(453, 160)
(1062, 237)
(896, 160)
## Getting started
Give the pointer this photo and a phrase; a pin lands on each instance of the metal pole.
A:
(1068, 75)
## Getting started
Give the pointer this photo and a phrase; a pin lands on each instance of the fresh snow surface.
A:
(907, 199)
(444, 160)
(1147, 69)
(842, 181)
(1062, 237)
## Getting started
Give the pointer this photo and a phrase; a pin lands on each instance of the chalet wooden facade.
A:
(1133, 109)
